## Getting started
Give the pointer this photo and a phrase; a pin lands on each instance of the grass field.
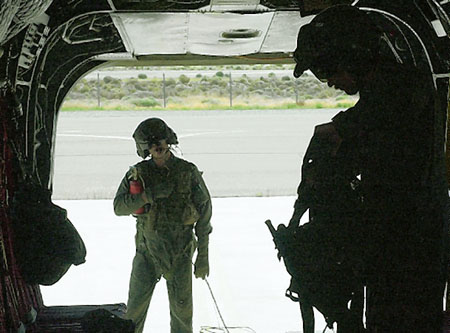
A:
(205, 93)
(200, 103)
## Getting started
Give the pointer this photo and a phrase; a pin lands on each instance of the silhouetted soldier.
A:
(392, 132)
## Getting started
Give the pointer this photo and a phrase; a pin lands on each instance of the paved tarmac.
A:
(247, 280)
(242, 153)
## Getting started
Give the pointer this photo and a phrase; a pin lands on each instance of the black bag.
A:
(324, 266)
(46, 243)
(104, 321)
(325, 256)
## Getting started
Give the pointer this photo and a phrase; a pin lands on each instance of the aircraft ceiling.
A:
(208, 33)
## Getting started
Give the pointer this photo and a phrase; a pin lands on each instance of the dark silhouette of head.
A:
(339, 39)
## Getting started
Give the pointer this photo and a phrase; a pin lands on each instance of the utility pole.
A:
(164, 90)
(98, 89)
(231, 92)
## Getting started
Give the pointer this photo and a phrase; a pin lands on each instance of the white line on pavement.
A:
(129, 138)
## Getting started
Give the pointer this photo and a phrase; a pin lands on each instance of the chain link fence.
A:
(200, 91)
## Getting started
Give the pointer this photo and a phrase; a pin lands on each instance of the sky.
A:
(246, 278)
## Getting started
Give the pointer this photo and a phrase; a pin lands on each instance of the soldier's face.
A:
(159, 149)
(343, 80)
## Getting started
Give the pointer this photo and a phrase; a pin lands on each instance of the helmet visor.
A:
(146, 145)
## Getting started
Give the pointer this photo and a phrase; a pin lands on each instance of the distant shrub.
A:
(84, 89)
(117, 94)
(175, 100)
(324, 94)
(219, 74)
(198, 75)
(142, 76)
(170, 82)
(211, 101)
(319, 106)
(142, 87)
(286, 78)
(116, 82)
(107, 79)
(145, 102)
(184, 79)
(344, 105)
(215, 81)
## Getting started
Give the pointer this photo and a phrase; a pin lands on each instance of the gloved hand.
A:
(159, 191)
(201, 266)
(328, 131)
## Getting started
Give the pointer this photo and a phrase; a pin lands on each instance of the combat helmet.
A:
(342, 36)
(150, 132)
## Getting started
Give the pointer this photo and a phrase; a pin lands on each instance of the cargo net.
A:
(17, 14)
(18, 300)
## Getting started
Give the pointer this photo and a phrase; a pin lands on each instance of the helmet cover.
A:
(151, 131)
(339, 36)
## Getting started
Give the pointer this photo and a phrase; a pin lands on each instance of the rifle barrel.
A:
(271, 228)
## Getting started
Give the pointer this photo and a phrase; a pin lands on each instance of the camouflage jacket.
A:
(189, 204)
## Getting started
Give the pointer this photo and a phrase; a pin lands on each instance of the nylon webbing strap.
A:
(17, 299)
(447, 160)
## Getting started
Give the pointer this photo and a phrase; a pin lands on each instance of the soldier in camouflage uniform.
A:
(176, 203)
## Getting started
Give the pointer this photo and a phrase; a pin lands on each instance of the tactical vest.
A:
(176, 210)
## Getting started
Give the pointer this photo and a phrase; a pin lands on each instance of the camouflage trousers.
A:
(145, 275)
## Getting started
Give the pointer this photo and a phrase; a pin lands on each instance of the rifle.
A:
(305, 306)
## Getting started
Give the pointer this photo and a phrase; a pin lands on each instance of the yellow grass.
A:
(211, 102)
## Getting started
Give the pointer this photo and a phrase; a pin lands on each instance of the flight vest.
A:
(176, 210)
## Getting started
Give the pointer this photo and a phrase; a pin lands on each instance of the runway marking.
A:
(130, 139)
(207, 133)
(96, 136)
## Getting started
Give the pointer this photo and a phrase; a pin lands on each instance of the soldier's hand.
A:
(329, 132)
(201, 266)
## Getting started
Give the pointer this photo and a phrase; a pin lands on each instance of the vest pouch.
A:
(190, 214)
(46, 243)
